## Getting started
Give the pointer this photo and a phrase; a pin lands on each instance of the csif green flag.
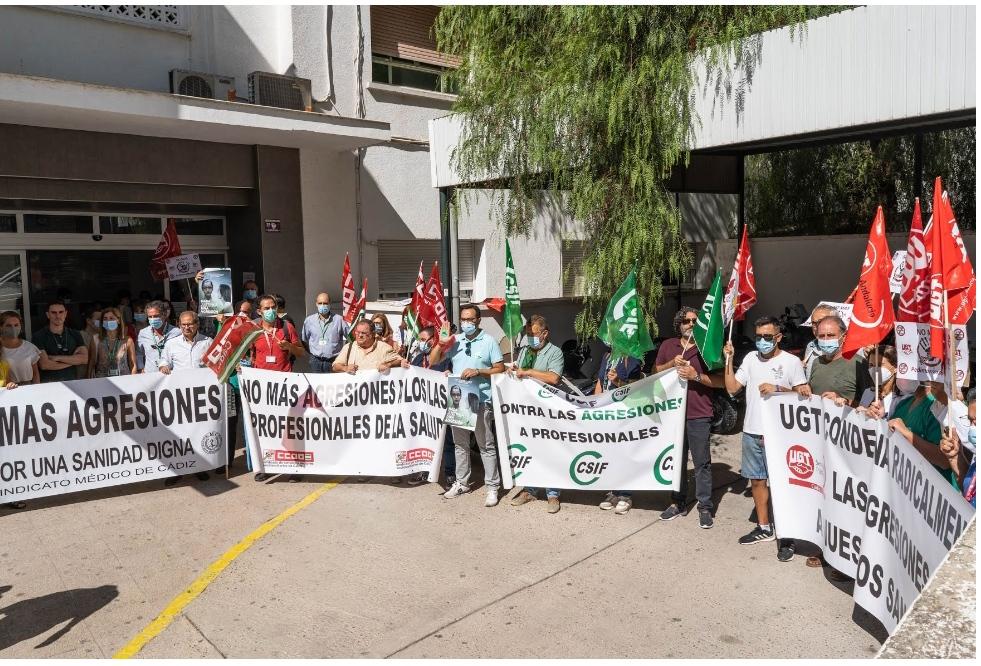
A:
(512, 303)
(709, 326)
(623, 327)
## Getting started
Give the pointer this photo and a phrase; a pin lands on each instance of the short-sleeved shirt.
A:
(21, 360)
(324, 338)
(480, 352)
(65, 343)
(547, 359)
(180, 354)
(266, 354)
(368, 359)
(847, 377)
(628, 369)
(783, 369)
(699, 395)
(149, 347)
(921, 422)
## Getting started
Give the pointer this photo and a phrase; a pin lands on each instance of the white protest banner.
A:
(913, 353)
(625, 439)
(896, 277)
(877, 509)
(183, 266)
(65, 437)
(368, 424)
(844, 311)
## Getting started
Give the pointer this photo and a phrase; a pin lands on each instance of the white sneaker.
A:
(623, 506)
(491, 499)
(609, 502)
(456, 490)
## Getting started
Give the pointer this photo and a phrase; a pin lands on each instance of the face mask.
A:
(907, 386)
(972, 437)
(828, 347)
(323, 309)
(11, 331)
(156, 322)
(880, 372)
(425, 347)
(249, 294)
(765, 346)
(244, 315)
(533, 341)
(468, 327)
(269, 316)
(139, 316)
(379, 329)
(110, 325)
(96, 323)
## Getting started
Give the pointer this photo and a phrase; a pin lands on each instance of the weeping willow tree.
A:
(597, 102)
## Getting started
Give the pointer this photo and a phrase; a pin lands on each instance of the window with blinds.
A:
(398, 265)
(403, 49)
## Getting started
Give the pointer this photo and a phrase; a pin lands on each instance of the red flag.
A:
(741, 290)
(950, 271)
(347, 290)
(420, 305)
(232, 343)
(914, 297)
(434, 297)
(495, 304)
(872, 314)
(169, 246)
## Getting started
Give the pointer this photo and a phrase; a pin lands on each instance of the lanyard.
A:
(111, 355)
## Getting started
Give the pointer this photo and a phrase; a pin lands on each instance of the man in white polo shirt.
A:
(150, 341)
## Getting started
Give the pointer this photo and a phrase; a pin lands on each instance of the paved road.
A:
(376, 570)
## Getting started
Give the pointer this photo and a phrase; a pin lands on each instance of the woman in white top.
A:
(112, 353)
(883, 365)
(21, 355)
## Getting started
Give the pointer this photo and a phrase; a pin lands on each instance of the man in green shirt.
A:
(543, 361)
(62, 348)
(832, 375)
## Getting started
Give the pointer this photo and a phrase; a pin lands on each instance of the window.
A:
(396, 72)
(43, 223)
(403, 48)
(8, 223)
(398, 265)
(149, 16)
(210, 226)
(124, 224)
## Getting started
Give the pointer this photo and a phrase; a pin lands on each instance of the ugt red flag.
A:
(914, 297)
(950, 271)
(169, 246)
(347, 291)
(420, 306)
(872, 314)
(741, 290)
(434, 296)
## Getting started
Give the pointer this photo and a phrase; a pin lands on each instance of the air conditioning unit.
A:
(200, 84)
(284, 92)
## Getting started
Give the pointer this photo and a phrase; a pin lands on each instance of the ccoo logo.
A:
(585, 464)
(519, 459)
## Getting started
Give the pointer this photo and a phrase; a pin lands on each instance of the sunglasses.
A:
(765, 336)
(467, 349)
(689, 321)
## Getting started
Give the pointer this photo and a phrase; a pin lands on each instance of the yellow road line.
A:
(177, 605)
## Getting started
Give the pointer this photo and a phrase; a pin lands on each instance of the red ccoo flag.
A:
(169, 246)
(420, 305)
(914, 297)
(872, 314)
(950, 271)
(434, 297)
(741, 290)
(347, 290)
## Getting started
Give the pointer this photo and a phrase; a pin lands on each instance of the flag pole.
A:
(732, 322)
(949, 336)
(878, 369)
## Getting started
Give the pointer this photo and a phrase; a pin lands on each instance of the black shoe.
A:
(17, 505)
(202, 476)
(261, 476)
(758, 535)
(172, 481)
(705, 519)
(219, 471)
(673, 512)
(785, 550)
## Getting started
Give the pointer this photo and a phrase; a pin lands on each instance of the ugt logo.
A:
(519, 459)
(581, 465)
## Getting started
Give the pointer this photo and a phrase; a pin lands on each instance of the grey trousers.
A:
(486, 444)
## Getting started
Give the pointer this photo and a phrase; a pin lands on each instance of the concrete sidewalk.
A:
(376, 570)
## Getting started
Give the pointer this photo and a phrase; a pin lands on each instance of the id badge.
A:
(270, 359)
(113, 372)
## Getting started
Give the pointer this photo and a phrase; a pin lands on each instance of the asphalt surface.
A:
(378, 570)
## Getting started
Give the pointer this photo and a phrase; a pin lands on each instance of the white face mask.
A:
(883, 374)
(907, 386)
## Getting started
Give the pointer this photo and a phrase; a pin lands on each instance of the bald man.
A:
(323, 334)
(811, 352)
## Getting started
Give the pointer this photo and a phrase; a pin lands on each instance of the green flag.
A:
(709, 327)
(512, 303)
(412, 322)
(624, 328)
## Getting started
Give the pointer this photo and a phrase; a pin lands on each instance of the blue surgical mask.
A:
(468, 327)
(156, 322)
(323, 309)
(139, 316)
(269, 316)
(110, 325)
(249, 294)
(828, 347)
(972, 437)
(425, 347)
(765, 346)
(379, 329)
(533, 341)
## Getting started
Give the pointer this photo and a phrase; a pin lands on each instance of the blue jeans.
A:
(549, 492)
(754, 457)
(321, 365)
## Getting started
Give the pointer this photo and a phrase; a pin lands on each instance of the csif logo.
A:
(620, 393)
(585, 464)
(519, 459)
(664, 466)
(545, 392)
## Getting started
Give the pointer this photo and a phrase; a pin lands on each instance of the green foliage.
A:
(596, 101)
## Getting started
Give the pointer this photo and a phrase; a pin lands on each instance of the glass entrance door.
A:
(12, 293)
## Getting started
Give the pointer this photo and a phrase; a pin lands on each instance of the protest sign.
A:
(877, 509)
(215, 292)
(843, 310)
(463, 405)
(898, 266)
(625, 439)
(368, 424)
(183, 266)
(65, 437)
(913, 353)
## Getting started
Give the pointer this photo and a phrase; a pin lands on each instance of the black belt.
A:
(326, 358)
